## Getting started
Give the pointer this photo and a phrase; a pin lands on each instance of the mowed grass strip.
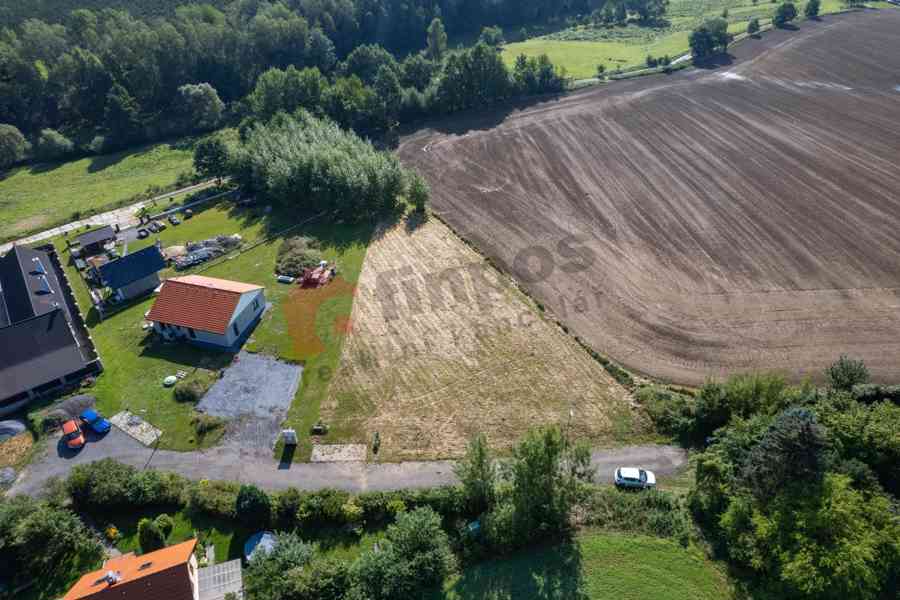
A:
(597, 566)
(41, 196)
(134, 367)
(581, 49)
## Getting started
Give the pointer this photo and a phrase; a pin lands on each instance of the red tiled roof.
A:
(151, 576)
(198, 302)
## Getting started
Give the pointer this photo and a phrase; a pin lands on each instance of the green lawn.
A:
(134, 367)
(580, 49)
(599, 566)
(40, 196)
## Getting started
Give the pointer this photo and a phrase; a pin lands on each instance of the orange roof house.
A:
(167, 574)
(207, 310)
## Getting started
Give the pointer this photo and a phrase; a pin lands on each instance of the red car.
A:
(72, 434)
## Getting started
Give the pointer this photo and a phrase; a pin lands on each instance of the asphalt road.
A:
(232, 462)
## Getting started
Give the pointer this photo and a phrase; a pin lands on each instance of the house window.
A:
(192, 334)
(255, 303)
(235, 329)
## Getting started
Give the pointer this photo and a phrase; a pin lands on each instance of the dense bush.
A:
(753, 26)
(205, 424)
(310, 166)
(165, 524)
(322, 579)
(188, 391)
(297, 254)
(44, 546)
(253, 507)
(709, 38)
(872, 392)
(477, 475)
(52, 145)
(214, 498)
(414, 557)
(784, 14)
(269, 575)
(846, 372)
(651, 512)
(150, 536)
(789, 497)
(13, 146)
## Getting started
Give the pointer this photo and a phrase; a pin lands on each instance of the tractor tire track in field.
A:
(743, 217)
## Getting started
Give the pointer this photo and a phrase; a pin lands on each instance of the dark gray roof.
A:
(98, 235)
(29, 284)
(132, 267)
(36, 351)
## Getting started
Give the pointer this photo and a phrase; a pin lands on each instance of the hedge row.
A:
(108, 485)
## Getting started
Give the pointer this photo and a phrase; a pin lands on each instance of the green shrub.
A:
(213, 498)
(846, 372)
(322, 579)
(270, 575)
(784, 14)
(100, 485)
(204, 424)
(499, 526)
(285, 505)
(296, 254)
(672, 413)
(165, 524)
(253, 507)
(651, 512)
(414, 558)
(873, 392)
(155, 488)
(150, 537)
(189, 391)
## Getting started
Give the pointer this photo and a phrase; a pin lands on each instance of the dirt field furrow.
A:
(728, 219)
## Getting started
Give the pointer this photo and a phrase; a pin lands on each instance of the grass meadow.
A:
(580, 49)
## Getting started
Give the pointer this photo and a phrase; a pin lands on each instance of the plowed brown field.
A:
(730, 219)
(442, 347)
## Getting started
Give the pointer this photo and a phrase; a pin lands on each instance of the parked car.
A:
(91, 418)
(155, 226)
(632, 477)
(285, 279)
(142, 234)
(188, 213)
(174, 220)
(72, 434)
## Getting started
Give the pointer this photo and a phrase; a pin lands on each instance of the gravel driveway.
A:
(235, 463)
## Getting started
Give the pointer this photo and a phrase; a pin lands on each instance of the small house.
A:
(92, 242)
(167, 574)
(133, 275)
(207, 311)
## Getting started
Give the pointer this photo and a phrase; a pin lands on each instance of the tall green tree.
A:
(13, 145)
(436, 46)
(211, 157)
(784, 14)
(476, 471)
(710, 38)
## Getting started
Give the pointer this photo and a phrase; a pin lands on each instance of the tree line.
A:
(105, 80)
(794, 484)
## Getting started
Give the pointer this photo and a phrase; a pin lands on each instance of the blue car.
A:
(95, 421)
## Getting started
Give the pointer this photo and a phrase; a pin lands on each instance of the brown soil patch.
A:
(14, 450)
(441, 347)
(731, 219)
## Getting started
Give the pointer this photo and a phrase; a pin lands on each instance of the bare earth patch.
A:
(14, 450)
(733, 219)
(338, 453)
(441, 347)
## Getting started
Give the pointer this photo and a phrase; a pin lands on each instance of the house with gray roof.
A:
(44, 345)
